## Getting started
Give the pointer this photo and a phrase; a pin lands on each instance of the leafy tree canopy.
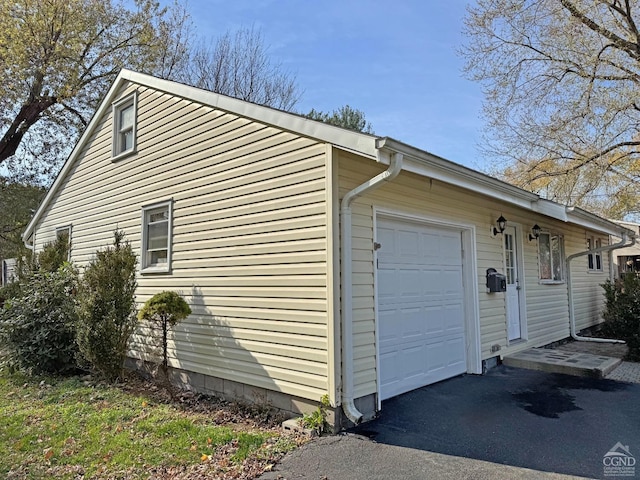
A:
(239, 65)
(561, 81)
(59, 57)
(345, 117)
(17, 203)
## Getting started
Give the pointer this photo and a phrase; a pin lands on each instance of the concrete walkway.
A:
(584, 359)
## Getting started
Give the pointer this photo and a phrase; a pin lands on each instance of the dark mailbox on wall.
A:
(496, 282)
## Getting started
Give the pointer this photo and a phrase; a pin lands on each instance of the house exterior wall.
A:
(249, 239)
(588, 294)
(546, 305)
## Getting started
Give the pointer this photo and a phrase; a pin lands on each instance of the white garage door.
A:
(420, 305)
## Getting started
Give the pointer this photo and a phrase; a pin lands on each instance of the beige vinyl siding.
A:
(249, 237)
(546, 305)
(588, 295)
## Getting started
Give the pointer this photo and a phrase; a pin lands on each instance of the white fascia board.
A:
(429, 165)
(550, 209)
(360, 143)
(594, 222)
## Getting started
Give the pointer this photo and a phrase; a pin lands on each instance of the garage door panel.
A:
(411, 323)
(408, 283)
(388, 330)
(408, 244)
(450, 281)
(420, 305)
(387, 285)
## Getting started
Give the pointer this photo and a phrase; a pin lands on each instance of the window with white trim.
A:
(594, 260)
(124, 126)
(156, 238)
(551, 258)
(65, 234)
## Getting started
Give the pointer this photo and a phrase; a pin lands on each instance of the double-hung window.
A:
(156, 238)
(64, 234)
(594, 260)
(124, 126)
(551, 258)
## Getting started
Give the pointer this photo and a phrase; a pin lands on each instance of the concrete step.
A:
(558, 361)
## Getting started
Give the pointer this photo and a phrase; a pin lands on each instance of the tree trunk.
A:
(165, 362)
(28, 115)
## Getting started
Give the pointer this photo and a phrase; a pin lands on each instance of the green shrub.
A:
(166, 309)
(107, 308)
(9, 291)
(54, 254)
(37, 327)
(50, 259)
(317, 419)
(622, 312)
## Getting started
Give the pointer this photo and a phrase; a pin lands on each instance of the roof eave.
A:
(433, 166)
(438, 168)
(356, 142)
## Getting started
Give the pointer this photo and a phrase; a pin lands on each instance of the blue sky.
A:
(395, 61)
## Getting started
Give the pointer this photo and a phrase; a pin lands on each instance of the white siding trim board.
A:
(332, 232)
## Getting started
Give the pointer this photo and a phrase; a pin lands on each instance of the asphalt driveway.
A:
(511, 418)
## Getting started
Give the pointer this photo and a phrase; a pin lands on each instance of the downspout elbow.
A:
(27, 245)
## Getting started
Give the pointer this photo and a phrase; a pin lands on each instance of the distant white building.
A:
(8, 272)
(627, 259)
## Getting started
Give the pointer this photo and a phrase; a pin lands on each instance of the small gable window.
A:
(156, 238)
(124, 126)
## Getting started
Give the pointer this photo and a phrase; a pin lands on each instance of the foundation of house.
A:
(290, 406)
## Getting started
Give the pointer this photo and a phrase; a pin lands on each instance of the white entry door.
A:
(421, 310)
(511, 262)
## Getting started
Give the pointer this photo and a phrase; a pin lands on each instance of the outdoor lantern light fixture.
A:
(501, 223)
(535, 232)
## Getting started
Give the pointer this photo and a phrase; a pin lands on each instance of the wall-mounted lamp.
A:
(535, 232)
(501, 223)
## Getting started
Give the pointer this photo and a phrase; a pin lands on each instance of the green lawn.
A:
(66, 428)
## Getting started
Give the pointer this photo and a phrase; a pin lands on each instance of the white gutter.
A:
(348, 405)
(572, 319)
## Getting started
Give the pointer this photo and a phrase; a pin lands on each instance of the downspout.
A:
(572, 321)
(30, 247)
(389, 174)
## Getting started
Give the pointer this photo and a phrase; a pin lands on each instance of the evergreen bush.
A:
(54, 254)
(165, 309)
(622, 312)
(107, 308)
(50, 259)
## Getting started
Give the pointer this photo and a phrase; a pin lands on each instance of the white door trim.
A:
(469, 279)
(522, 295)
